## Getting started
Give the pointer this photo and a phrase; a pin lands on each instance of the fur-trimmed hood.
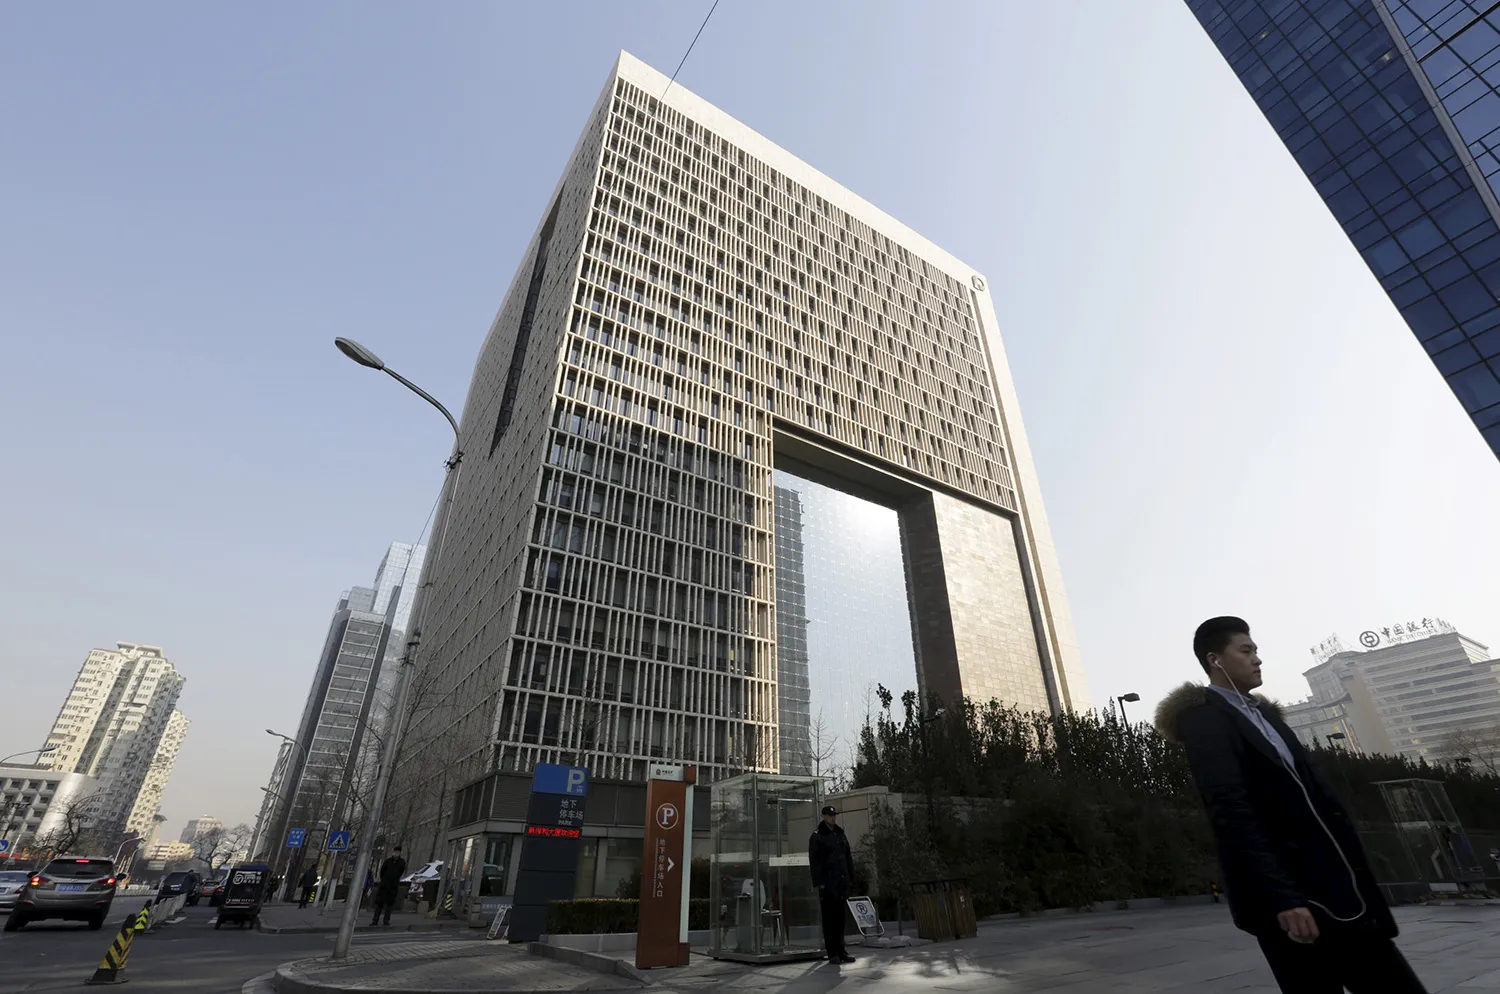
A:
(1187, 697)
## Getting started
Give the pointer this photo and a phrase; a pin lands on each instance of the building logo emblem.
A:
(1369, 639)
(978, 282)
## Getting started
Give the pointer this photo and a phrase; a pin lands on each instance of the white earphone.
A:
(1364, 908)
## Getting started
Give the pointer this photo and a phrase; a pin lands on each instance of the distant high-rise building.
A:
(794, 695)
(348, 704)
(1392, 109)
(696, 305)
(1407, 693)
(199, 826)
(120, 713)
(321, 768)
(843, 624)
(399, 575)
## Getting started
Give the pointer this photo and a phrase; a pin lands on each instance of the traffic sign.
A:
(295, 838)
(338, 841)
(4, 845)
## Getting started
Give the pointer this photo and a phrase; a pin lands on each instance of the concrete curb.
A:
(263, 984)
(598, 962)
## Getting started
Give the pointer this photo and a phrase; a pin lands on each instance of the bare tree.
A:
(824, 744)
(207, 843)
(230, 841)
(1480, 746)
(72, 829)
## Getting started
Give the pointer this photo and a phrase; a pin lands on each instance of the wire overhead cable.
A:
(690, 47)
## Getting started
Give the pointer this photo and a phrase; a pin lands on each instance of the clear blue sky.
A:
(1227, 413)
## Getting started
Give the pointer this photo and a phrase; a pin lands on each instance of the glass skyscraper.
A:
(1391, 108)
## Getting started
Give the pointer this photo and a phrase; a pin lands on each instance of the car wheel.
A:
(96, 922)
(217, 923)
(15, 921)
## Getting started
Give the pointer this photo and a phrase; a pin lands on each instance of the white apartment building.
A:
(120, 725)
(148, 800)
(695, 305)
(1408, 692)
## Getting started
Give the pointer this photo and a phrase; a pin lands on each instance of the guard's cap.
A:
(830, 810)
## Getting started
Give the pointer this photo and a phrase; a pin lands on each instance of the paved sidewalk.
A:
(460, 965)
(288, 919)
(1455, 951)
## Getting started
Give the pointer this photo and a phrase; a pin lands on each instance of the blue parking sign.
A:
(550, 778)
(295, 838)
(4, 845)
(338, 841)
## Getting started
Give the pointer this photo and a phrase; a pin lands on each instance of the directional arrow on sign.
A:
(670, 864)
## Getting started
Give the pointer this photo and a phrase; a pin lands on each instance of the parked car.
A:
(187, 882)
(12, 882)
(431, 871)
(213, 889)
(73, 888)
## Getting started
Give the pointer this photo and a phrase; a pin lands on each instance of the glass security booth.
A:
(764, 907)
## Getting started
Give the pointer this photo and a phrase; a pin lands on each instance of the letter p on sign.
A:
(575, 781)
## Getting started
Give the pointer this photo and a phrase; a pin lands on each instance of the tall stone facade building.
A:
(120, 725)
(695, 305)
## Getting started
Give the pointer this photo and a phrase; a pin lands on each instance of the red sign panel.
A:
(658, 936)
(553, 833)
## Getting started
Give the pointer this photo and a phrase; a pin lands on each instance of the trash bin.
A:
(944, 909)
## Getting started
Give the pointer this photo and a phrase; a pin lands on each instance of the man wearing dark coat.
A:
(832, 866)
(1294, 871)
(391, 871)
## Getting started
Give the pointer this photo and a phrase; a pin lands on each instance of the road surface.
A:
(189, 956)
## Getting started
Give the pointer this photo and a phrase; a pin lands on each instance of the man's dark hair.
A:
(1214, 635)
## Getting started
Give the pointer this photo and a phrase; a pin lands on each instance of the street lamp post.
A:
(366, 841)
(1338, 761)
(1123, 700)
(23, 752)
(922, 724)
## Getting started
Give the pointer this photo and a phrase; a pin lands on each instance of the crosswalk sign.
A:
(338, 841)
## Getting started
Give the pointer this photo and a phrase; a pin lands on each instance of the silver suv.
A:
(73, 888)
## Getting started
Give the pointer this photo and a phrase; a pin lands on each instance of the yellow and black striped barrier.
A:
(112, 967)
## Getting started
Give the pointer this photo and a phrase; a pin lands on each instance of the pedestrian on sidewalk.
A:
(832, 866)
(1294, 871)
(391, 871)
(309, 884)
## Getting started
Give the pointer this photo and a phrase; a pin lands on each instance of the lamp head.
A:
(358, 353)
(1130, 698)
